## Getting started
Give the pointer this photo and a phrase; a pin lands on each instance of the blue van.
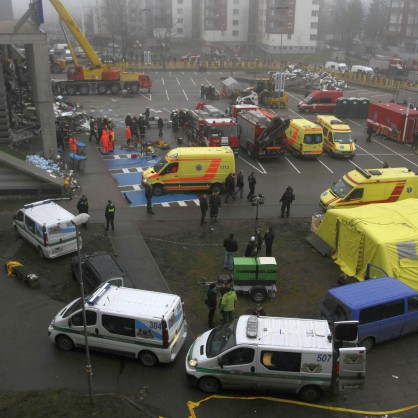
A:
(385, 308)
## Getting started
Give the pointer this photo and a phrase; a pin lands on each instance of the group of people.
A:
(207, 92)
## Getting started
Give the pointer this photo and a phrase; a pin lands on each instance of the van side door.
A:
(279, 369)
(75, 323)
(352, 368)
(238, 367)
(411, 316)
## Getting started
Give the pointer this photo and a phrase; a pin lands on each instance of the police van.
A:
(150, 326)
(48, 227)
(301, 356)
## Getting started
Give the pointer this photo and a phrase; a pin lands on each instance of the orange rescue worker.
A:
(104, 141)
(73, 144)
(111, 139)
(128, 134)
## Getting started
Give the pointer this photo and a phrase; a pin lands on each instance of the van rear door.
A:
(352, 368)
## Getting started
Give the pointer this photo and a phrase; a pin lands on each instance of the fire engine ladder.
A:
(274, 128)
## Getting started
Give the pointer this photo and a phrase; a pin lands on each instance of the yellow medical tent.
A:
(382, 234)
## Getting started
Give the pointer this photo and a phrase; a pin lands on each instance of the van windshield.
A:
(309, 99)
(160, 165)
(221, 338)
(76, 306)
(341, 188)
(312, 139)
(343, 137)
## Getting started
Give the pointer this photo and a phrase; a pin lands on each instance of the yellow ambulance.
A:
(191, 168)
(364, 187)
(337, 136)
(304, 138)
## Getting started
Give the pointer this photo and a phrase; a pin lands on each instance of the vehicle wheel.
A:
(367, 343)
(258, 294)
(17, 234)
(148, 359)
(56, 68)
(84, 89)
(134, 87)
(215, 187)
(157, 190)
(64, 343)
(102, 89)
(208, 384)
(71, 90)
(41, 253)
(310, 394)
(114, 89)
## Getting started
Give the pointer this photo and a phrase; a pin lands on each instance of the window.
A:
(324, 100)
(312, 37)
(119, 325)
(179, 11)
(30, 224)
(180, 20)
(235, 33)
(314, 13)
(235, 22)
(314, 25)
(413, 304)
(380, 312)
(235, 12)
(356, 194)
(242, 355)
(19, 216)
(77, 319)
(281, 361)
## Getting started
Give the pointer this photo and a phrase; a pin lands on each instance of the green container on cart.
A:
(255, 270)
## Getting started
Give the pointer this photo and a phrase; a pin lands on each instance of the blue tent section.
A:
(127, 179)
(137, 198)
(133, 161)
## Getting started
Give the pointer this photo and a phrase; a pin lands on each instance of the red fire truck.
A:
(236, 108)
(261, 133)
(202, 129)
(390, 119)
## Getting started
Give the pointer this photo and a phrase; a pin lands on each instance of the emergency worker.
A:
(286, 200)
(110, 215)
(73, 144)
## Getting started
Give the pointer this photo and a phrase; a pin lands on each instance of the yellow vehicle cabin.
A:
(304, 138)
(337, 136)
(191, 168)
(364, 187)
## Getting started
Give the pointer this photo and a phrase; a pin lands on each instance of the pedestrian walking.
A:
(211, 302)
(228, 304)
(230, 187)
(214, 204)
(251, 248)
(268, 239)
(202, 91)
(83, 207)
(160, 124)
(414, 145)
(110, 215)
(251, 184)
(369, 133)
(93, 130)
(231, 247)
(259, 241)
(287, 198)
(148, 196)
(240, 184)
(204, 206)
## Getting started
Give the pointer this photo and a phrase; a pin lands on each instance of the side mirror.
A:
(220, 362)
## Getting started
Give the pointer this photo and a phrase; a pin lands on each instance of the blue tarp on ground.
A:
(117, 164)
(137, 198)
(128, 179)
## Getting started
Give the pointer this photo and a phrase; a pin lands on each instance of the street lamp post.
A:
(257, 201)
(77, 221)
(406, 120)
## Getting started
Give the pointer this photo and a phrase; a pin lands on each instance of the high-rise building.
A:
(6, 10)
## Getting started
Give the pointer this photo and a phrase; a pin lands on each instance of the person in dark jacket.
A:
(204, 206)
(268, 239)
(369, 133)
(240, 184)
(214, 204)
(160, 124)
(231, 247)
(148, 196)
(251, 184)
(83, 207)
(251, 248)
(287, 198)
(211, 302)
(259, 241)
(110, 215)
(230, 187)
(93, 130)
(128, 120)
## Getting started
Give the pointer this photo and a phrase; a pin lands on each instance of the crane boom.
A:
(71, 24)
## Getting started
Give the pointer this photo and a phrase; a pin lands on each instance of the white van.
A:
(48, 227)
(147, 325)
(361, 69)
(286, 354)
(336, 66)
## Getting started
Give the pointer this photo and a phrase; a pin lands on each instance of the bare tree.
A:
(376, 20)
(352, 24)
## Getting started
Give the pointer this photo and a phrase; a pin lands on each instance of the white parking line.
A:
(181, 203)
(207, 81)
(162, 80)
(178, 82)
(368, 153)
(260, 170)
(290, 162)
(396, 153)
(196, 201)
(148, 98)
(182, 72)
(169, 111)
(165, 205)
(382, 95)
(166, 92)
(185, 95)
(317, 159)
(355, 123)
(192, 81)
(136, 187)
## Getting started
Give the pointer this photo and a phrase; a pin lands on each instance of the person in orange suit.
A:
(104, 141)
(73, 144)
(111, 140)
(128, 134)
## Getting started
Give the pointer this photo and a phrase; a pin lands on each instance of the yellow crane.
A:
(98, 77)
